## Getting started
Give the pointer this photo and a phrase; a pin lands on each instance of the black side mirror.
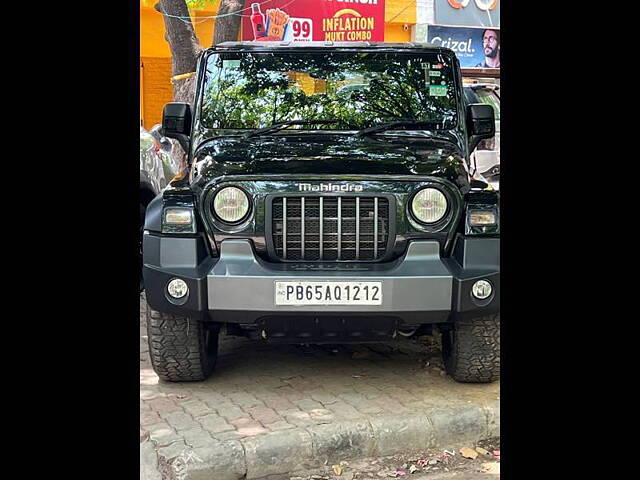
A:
(176, 123)
(481, 123)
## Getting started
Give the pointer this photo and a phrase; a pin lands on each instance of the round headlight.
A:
(429, 205)
(231, 204)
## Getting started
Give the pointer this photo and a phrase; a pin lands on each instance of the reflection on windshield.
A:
(357, 90)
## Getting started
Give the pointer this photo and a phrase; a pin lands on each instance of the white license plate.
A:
(328, 293)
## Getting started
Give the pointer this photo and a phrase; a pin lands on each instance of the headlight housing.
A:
(231, 205)
(429, 205)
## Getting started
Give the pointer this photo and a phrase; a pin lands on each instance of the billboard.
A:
(474, 47)
(475, 13)
(319, 20)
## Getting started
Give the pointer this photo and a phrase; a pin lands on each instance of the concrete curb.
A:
(290, 450)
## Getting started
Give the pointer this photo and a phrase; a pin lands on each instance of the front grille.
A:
(329, 228)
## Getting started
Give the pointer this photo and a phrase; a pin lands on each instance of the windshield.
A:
(349, 91)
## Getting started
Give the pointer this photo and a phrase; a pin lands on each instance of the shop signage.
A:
(320, 20)
(475, 13)
(474, 47)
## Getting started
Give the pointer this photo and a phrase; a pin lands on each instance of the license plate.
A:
(328, 293)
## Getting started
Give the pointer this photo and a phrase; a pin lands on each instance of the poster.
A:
(474, 47)
(313, 20)
(475, 13)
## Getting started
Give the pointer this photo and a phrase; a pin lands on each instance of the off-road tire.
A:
(181, 349)
(471, 350)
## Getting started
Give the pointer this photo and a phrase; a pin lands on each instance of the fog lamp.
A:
(481, 289)
(177, 288)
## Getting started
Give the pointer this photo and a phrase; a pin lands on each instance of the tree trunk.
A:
(185, 48)
(183, 44)
(228, 26)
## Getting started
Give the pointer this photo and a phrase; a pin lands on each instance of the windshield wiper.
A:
(279, 126)
(396, 124)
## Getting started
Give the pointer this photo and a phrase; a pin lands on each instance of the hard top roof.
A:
(371, 46)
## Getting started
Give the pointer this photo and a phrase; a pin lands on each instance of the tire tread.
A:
(475, 350)
(176, 347)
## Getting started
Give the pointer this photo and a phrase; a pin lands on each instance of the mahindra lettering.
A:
(328, 198)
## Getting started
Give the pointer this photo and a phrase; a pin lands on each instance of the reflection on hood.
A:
(327, 154)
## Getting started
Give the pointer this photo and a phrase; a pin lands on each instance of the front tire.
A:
(471, 350)
(181, 349)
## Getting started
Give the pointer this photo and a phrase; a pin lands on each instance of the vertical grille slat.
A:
(339, 228)
(302, 227)
(330, 228)
(375, 227)
(284, 228)
(357, 228)
(321, 241)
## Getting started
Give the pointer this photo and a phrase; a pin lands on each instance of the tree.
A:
(228, 21)
(183, 44)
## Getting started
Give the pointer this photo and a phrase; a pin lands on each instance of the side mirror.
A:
(481, 123)
(176, 123)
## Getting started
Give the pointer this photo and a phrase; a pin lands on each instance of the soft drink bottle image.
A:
(257, 22)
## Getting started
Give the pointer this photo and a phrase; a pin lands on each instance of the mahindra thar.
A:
(328, 198)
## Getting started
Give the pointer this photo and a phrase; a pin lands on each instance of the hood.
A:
(332, 155)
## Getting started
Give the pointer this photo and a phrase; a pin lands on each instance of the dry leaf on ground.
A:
(467, 452)
(493, 467)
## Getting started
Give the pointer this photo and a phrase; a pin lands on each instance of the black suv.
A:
(327, 199)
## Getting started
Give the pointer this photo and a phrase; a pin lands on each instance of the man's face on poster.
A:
(490, 43)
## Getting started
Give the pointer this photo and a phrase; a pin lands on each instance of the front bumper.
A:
(238, 287)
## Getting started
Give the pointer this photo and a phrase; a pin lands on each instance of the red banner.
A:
(307, 20)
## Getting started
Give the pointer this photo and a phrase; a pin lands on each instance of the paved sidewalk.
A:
(273, 409)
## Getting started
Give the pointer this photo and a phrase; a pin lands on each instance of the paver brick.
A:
(161, 434)
(231, 412)
(354, 399)
(279, 404)
(164, 405)
(248, 427)
(307, 404)
(323, 397)
(281, 425)
(181, 421)
(264, 415)
(322, 415)
(148, 417)
(197, 437)
(291, 393)
(299, 419)
(369, 391)
(245, 400)
(210, 398)
(371, 409)
(214, 423)
(390, 405)
(196, 408)
(343, 410)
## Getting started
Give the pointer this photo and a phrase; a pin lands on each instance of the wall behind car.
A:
(155, 57)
